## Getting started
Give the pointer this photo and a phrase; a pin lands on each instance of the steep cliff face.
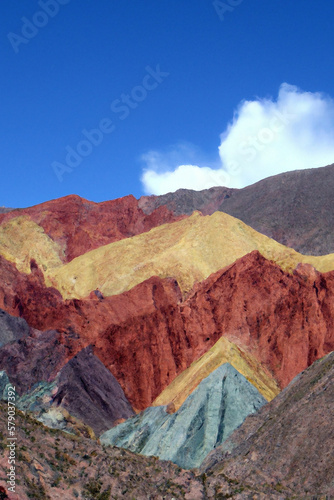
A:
(26, 294)
(143, 364)
(77, 225)
(285, 320)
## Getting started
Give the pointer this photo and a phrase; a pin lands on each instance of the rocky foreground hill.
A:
(285, 451)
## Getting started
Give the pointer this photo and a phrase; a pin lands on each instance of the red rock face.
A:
(285, 320)
(80, 225)
(130, 329)
(147, 336)
(26, 295)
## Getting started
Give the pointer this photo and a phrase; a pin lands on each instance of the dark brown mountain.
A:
(83, 386)
(11, 328)
(185, 201)
(294, 208)
(91, 393)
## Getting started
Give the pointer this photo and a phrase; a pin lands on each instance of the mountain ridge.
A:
(295, 208)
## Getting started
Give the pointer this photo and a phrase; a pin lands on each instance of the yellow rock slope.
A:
(188, 250)
(223, 351)
(21, 239)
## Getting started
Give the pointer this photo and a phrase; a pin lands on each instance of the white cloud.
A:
(266, 137)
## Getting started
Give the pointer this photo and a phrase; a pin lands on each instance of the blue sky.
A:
(182, 71)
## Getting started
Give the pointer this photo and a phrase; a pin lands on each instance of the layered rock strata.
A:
(222, 352)
(188, 250)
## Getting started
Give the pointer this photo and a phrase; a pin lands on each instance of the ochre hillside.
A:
(188, 250)
(21, 240)
(222, 352)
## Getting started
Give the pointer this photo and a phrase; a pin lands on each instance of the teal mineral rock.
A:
(209, 415)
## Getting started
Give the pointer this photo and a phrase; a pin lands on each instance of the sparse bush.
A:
(36, 491)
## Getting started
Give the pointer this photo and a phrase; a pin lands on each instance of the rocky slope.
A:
(294, 208)
(21, 240)
(87, 359)
(11, 328)
(37, 357)
(91, 393)
(85, 389)
(49, 379)
(186, 201)
(285, 321)
(53, 465)
(208, 416)
(289, 444)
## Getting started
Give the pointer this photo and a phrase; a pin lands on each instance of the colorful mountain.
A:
(222, 352)
(282, 319)
(76, 225)
(56, 465)
(85, 389)
(295, 431)
(191, 320)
